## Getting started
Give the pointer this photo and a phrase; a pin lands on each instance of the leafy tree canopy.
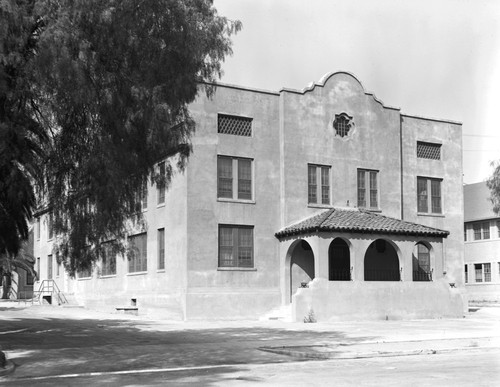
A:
(109, 83)
(493, 184)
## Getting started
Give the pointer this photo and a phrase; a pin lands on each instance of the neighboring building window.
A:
(29, 278)
(49, 267)
(234, 178)
(487, 272)
(465, 233)
(235, 125)
(161, 187)
(161, 248)
(429, 203)
(236, 246)
(481, 230)
(422, 264)
(466, 274)
(478, 268)
(108, 260)
(342, 124)
(138, 254)
(428, 150)
(37, 228)
(367, 189)
(318, 189)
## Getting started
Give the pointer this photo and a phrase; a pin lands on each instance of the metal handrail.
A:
(50, 286)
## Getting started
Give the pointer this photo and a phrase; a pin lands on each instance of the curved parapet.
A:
(327, 77)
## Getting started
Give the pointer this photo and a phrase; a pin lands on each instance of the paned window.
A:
(342, 124)
(108, 260)
(84, 273)
(429, 195)
(58, 266)
(161, 186)
(37, 229)
(138, 254)
(487, 272)
(49, 266)
(367, 189)
(318, 184)
(422, 264)
(234, 178)
(236, 246)
(478, 268)
(428, 150)
(38, 268)
(481, 230)
(29, 278)
(465, 232)
(161, 248)
(466, 274)
(235, 125)
(50, 230)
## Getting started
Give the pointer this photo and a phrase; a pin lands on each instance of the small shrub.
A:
(310, 318)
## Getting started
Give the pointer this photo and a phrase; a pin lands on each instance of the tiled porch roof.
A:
(358, 221)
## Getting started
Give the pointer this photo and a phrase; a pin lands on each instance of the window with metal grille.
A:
(429, 195)
(367, 189)
(342, 124)
(428, 150)
(138, 253)
(161, 249)
(235, 246)
(235, 125)
(234, 178)
(318, 184)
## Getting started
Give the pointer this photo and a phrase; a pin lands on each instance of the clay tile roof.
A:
(358, 221)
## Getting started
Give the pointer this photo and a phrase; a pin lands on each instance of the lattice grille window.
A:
(238, 126)
(428, 150)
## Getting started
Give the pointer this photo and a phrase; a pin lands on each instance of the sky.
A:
(431, 58)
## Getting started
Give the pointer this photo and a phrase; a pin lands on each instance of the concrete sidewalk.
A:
(48, 341)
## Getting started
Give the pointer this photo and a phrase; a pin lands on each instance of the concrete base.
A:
(351, 300)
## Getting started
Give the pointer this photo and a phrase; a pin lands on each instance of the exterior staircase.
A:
(48, 293)
(281, 313)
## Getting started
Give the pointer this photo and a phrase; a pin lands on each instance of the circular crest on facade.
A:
(342, 124)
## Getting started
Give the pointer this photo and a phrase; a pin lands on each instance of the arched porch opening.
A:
(339, 261)
(421, 262)
(381, 262)
(301, 261)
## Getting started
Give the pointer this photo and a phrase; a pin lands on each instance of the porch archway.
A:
(300, 265)
(381, 262)
(339, 261)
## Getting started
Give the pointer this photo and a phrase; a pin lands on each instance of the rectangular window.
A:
(424, 200)
(487, 272)
(161, 186)
(138, 254)
(50, 232)
(108, 260)
(481, 230)
(144, 196)
(428, 150)
(235, 125)
(478, 268)
(84, 273)
(498, 228)
(49, 266)
(57, 265)
(38, 268)
(367, 189)
(466, 274)
(236, 246)
(234, 178)
(161, 248)
(29, 278)
(37, 228)
(318, 184)
(465, 232)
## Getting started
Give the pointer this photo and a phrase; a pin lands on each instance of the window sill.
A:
(318, 205)
(84, 279)
(371, 209)
(227, 200)
(137, 273)
(429, 214)
(160, 271)
(108, 276)
(160, 205)
(236, 269)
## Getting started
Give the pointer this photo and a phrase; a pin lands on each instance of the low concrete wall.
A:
(352, 300)
(483, 292)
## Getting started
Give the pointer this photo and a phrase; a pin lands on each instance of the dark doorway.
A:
(339, 261)
(381, 262)
(301, 266)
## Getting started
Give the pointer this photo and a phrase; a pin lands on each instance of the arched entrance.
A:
(339, 261)
(421, 261)
(381, 262)
(301, 265)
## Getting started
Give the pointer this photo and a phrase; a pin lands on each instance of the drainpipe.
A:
(401, 162)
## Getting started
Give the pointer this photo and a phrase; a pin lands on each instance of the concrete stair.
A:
(281, 313)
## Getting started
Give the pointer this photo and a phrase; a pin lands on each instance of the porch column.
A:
(321, 255)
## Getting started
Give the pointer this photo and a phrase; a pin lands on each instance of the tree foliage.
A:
(493, 184)
(110, 83)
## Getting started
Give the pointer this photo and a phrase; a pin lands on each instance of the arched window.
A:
(421, 263)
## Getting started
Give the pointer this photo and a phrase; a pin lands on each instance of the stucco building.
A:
(325, 188)
(482, 244)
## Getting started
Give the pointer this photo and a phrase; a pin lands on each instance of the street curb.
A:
(364, 355)
(9, 368)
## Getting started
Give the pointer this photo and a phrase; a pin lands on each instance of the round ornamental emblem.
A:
(342, 124)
